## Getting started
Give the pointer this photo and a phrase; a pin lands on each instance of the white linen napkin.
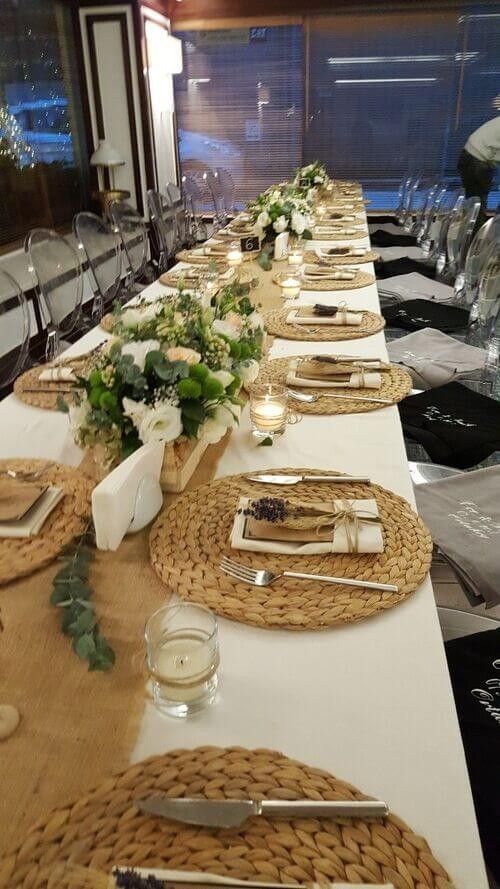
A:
(356, 381)
(57, 374)
(31, 523)
(312, 272)
(281, 245)
(114, 499)
(339, 320)
(370, 538)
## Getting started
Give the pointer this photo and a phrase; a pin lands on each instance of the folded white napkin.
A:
(339, 320)
(356, 381)
(57, 374)
(281, 245)
(370, 538)
(31, 523)
(193, 877)
(114, 500)
(312, 272)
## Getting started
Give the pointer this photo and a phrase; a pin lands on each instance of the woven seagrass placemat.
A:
(189, 538)
(369, 256)
(21, 556)
(204, 258)
(362, 279)
(275, 324)
(171, 279)
(105, 828)
(29, 381)
(396, 385)
(333, 235)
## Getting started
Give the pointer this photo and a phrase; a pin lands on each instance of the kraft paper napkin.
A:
(305, 315)
(302, 373)
(57, 374)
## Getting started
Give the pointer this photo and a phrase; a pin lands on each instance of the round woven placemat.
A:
(105, 828)
(22, 556)
(201, 259)
(189, 538)
(369, 256)
(338, 236)
(275, 324)
(169, 279)
(362, 279)
(47, 400)
(396, 385)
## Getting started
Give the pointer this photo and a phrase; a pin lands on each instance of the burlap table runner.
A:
(77, 728)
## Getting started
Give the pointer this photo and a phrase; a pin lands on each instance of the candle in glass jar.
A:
(295, 257)
(183, 666)
(290, 287)
(268, 416)
(234, 257)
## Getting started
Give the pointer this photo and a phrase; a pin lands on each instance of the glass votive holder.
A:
(182, 654)
(234, 255)
(290, 283)
(268, 410)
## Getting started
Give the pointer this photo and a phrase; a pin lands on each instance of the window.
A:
(43, 169)
(239, 104)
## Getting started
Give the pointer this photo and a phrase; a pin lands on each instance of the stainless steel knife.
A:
(267, 478)
(233, 813)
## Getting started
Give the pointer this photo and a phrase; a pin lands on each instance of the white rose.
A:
(78, 415)
(139, 351)
(248, 371)
(160, 423)
(275, 196)
(211, 431)
(318, 180)
(280, 225)
(256, 321)
(263, 219)
(223, 377)
(136, 410)
(215, 427)
(298, 222)
(134, 317)
(229, 326)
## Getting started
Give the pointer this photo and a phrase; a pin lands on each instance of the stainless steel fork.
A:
(261, 577)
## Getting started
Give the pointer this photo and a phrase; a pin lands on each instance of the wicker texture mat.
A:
(362, 279)
(47, 400)
(21, 556)
(104, 828)
(170, 279)
(189, 538)
(369, 256)
(276, 325)
(204, 259)
(396, 385)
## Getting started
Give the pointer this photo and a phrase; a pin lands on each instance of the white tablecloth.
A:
(371, 702)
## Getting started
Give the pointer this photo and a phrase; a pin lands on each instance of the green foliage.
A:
(264, 261)
(188, 388)
(62, 405)
(266, 442)
(71, 593)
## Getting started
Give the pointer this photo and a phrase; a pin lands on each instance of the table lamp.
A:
(106, 156)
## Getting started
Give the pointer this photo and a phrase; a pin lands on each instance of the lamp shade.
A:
(106, 156)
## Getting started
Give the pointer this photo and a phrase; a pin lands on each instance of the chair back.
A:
(130, 226)
(447, 202)
(404, 186)
(163, 223)
(14, 329)
(422, 223)
(102, 249)
(467, 284)
(59, 283)
(460, 233)
(174, 193)
(416, 206)
(228, 188)
(488, 302)
(408, 199)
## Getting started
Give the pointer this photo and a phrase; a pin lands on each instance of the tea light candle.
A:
(183, 666)
(234, 257)
(295, 257)
(290, 286)
(268, 416)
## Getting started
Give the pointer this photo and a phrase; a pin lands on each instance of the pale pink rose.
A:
(180, 353)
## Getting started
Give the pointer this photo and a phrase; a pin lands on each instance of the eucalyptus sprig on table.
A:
(71, 593)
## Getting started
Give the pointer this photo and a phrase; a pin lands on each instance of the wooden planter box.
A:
(179, 462)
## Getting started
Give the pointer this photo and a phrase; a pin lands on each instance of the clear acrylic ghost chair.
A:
(459, 237)
(130, 226)
(405, 214)
(449, 205)
(404, 187)
(14, 329)
(228, 187)
(467, 282)
(195, 201)
(59, 285)
(487, 322)
(101, 247)
(183, 229)
(214, 186)
(422, 218)
(162, 218)
(430, 226)
(416, 205)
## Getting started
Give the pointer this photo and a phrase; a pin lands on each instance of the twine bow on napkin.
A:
(345, 515)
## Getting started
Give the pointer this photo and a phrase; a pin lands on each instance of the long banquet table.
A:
(370, 702)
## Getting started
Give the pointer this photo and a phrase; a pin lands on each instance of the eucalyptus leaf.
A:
(264, 261)
(266, 442)
(84, 646)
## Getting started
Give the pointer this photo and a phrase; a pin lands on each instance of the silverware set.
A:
(309, 398)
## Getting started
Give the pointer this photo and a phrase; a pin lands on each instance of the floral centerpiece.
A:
(311, 176)
(281, 209)
(173, 370)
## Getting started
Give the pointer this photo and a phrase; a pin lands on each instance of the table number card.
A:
(250, 244)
